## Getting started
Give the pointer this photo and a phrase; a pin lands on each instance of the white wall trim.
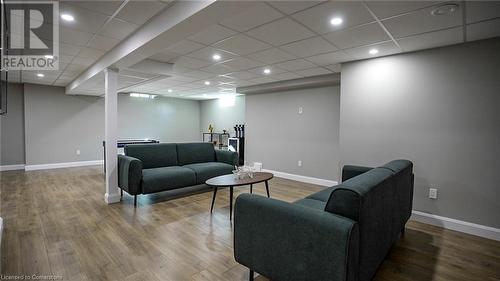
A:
(11, 167)
(457, 225)
(300, 178)
(63, 165)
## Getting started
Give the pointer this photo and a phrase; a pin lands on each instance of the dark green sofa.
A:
(150, 168)
(341, 233)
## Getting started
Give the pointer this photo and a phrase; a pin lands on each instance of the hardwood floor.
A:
(56, 223)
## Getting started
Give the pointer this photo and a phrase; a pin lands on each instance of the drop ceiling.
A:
(292, 39)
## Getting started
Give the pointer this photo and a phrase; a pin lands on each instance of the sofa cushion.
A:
(207, 170)
(153, 155)
(166, 178)
(311, 203)
(322, 195)
(190, 153)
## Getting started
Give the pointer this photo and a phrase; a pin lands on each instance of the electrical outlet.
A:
(78, 152)
(299, 163)
(433, 193)
(300, 110)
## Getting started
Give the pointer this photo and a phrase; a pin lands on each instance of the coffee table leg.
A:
(213, 199)
(230, 203)
(251, 188)
(267, 189)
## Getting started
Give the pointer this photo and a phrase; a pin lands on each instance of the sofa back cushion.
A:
(154, 155)
(378, 201)
(198, 152)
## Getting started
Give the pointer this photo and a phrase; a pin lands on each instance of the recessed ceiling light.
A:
(67, 17)
(207, 83)
(267, 70)
(40, 75)
(216, 57)
(169, 90)
(336, 21)
(373, 51)
(444, 9)
(49, 56)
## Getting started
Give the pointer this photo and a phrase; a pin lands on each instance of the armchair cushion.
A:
(166, 178)
(225, 156)
(204, 171)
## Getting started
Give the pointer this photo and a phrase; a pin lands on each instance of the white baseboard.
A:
(12, 167)
(457, 225)
(300, 178)
(63, 165)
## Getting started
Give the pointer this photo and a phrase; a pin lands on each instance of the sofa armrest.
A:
(130, 174)
(285, 241)
(228, 157)
(351, 171)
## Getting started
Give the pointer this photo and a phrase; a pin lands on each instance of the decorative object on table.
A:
(210, 128)
(245, 171)
(224, 131)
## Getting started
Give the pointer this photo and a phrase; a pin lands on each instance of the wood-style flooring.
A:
(56, 223)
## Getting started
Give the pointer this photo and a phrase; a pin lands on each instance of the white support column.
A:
(111, 135)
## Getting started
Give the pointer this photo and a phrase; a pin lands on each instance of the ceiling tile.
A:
(483, 30)
(165, 56)
(240, 63)
(357, 36)
(82, 61)
(330, 58)
(133, 73)
(184, 47)
(191, 63)
(296, 65)
(207, 53)
(118, 29)
(334, 67)
(73, 37)
(271, 56)
(482, 10)
(313, 71)
(212, 34)
(139, 12)
(290, 7)
(102, 43)
(309, 47)
(245, 75)
(217, 69)
(102, 7)
(67, 49)
(420, 22)
(199, 74)
(318, 17)
(281, 32)
(386, 48)
(85, 20)
(242, 45)
(384, 9)
(432, 39)
(258, 14)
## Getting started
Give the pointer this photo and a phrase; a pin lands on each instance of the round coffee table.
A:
(231, 181)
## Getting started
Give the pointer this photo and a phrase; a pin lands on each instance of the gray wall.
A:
(278, 136)
(439, 108)
(12, 130)
(57, 124)
(222, 116)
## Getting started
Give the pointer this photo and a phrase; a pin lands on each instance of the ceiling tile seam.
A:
(464, 20)
(382, 25)
(423, 33)
(92, 38)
